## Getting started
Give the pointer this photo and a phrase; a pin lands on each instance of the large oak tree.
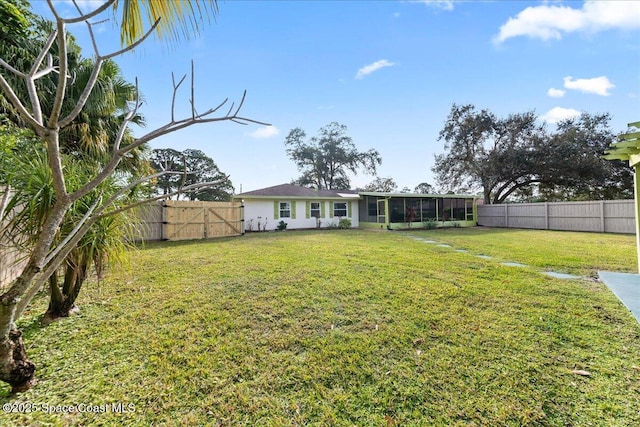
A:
(503, 157)
(327, 159)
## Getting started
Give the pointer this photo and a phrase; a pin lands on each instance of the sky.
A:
(388, 70)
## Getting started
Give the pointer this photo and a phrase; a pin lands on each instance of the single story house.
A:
(301, 207)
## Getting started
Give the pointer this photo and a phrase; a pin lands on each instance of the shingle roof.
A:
(291, 190)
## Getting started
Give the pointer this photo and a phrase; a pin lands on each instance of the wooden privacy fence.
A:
(11, 264)
(606, 216)
(169, 220)
(184, 220)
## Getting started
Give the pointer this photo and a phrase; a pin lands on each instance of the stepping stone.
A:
(462, 250)
(561, 275)
(484, 256)
(513, 264)
(444, 245)
(429, 241)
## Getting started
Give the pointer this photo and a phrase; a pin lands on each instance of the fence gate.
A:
(184, 220)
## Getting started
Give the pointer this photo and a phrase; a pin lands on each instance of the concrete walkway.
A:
(626, 287)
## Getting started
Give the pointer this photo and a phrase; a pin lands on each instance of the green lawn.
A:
(347, 328)
(562, 251)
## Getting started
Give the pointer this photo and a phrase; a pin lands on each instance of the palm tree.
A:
(88, 138)
(176, 17)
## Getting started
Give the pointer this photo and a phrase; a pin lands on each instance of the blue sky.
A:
(388, 70)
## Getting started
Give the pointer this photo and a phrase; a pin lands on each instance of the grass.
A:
(562, 251)
(344, 328)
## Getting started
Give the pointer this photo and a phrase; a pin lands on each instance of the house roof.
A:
(417, 195)
(296, 191)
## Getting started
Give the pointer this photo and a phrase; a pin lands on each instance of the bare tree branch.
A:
(86, 16)
(175, 92)
(4, 202)
(193, 96)
(22, 110)
(133, 45)
(187, 189)
(61, 88)
(73, 232)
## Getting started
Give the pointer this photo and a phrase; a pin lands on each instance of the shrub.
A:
(344, 223)
(431, 223)
(282, 226)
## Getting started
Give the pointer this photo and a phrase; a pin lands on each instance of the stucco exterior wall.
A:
(262, 210)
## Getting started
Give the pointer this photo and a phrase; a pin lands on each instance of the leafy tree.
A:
(514, 155)
(15, 22)
(201, 168)
(198, 168)
(382, 185)
(171, 160)
(45, 114)
(424, 188)
(326, 160)
(585, 175)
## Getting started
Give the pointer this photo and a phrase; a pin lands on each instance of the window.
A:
(339, 209)
(285, 209)
(314, 209)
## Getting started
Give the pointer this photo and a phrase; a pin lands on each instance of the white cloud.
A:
(551, 22)
(264, 132)
(557, 114)
(439, 4)
(556, 93)
(368, 69)
(598, 85)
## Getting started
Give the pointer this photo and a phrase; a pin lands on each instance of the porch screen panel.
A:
(440, 209)
(428, 209)
(396, 208)
(413, 204)
(459, 213)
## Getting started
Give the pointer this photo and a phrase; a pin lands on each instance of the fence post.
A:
(602, 216)
(506, 215)
(546, 215)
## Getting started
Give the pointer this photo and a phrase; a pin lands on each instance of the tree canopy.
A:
(382, 185)
(519, 156)
(327, 159)
(198, 168)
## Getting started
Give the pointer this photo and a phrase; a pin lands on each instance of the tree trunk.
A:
(15, 368)
(63, 304)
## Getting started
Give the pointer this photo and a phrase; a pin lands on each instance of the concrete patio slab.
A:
(626, 287)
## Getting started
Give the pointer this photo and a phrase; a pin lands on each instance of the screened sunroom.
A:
(400, 211)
